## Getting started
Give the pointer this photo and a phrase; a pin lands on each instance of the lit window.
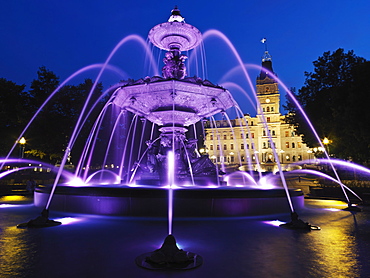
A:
(287, 144)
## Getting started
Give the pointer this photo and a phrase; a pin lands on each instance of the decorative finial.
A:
(264, 41)
(176, 16)
(266, 56)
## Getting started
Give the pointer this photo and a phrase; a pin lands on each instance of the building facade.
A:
(256, 143)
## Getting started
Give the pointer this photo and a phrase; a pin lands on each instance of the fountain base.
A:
(352, 207)
(41, 221)
(298, 224)
(152, 201)
(169, 256)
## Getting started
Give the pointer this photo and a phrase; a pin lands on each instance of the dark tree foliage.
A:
(335, 97)
(43, 86)
(49, 134)
(13, 113)
(51, 131)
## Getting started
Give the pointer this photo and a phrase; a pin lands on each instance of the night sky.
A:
(65, 36)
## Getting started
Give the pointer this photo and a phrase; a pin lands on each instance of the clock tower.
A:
(267, 88)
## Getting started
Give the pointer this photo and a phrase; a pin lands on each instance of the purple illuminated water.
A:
(171, 179)
(234, 247)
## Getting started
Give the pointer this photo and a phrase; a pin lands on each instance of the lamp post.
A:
(309, 155)
(326, 142)
(22, 143)
(282, 156)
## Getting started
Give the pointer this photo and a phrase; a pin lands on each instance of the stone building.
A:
(250, 141)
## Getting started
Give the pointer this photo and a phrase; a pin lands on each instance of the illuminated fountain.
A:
(170, 177)
(173, 102)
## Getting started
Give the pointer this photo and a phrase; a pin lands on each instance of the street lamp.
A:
(326, 142)
(309, 155)
(22, 143)
(282, 156)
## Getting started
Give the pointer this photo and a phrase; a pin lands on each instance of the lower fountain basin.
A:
(153, 201)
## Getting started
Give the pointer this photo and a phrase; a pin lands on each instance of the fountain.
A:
(170, 177)
(173, 102)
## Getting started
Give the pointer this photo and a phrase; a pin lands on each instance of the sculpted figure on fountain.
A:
(174, 67)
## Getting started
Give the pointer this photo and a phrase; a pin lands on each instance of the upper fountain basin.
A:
(169, 101)
(178, 35)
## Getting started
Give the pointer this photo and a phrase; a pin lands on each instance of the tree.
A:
(331, 97)
(14, 113)
(51, 132)
(43, 86)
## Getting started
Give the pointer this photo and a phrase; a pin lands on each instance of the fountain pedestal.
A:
(169, 256)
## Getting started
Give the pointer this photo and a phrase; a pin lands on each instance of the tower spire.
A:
(266, 56)
(266, 62)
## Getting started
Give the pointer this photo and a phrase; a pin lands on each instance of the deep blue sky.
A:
(67, 35)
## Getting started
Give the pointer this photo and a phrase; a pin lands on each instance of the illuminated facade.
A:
(248, 141)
